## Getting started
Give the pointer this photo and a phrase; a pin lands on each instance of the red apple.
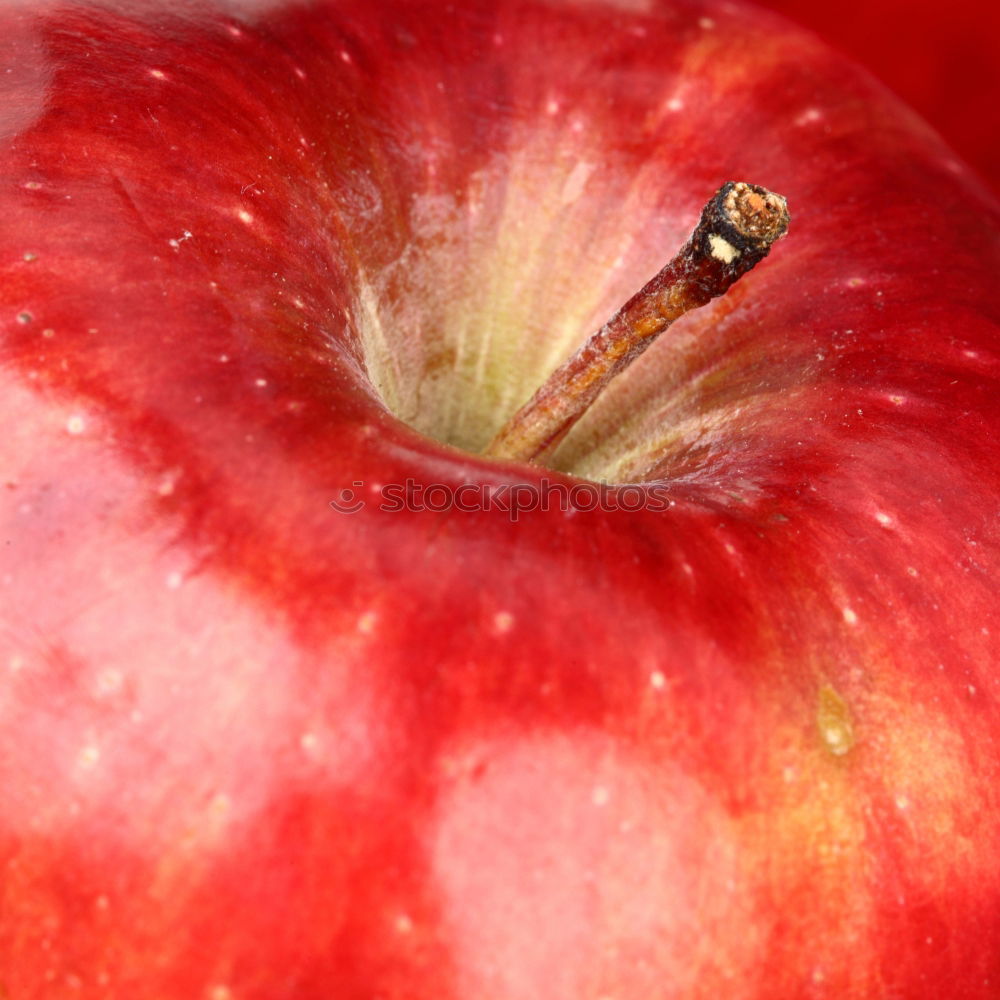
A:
(263, 264)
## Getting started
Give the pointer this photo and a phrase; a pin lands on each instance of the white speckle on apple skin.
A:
(309, 744)
(109, 682)
(16, 663)
(260, 382)
(850, 616)
(657, 680)
(404, 923)
(76, 425)
(168, 482)
(176, 243)
(600, 796)
(576, 182)
(552, 107)
(884, 519)
(367, 622)
(809, 116)
(158, 74)
(706, 23)
(174, 580)
(88, 757)
(833, 737)
(220, 992)
(244, 216)
(503, 622)
(675, 104)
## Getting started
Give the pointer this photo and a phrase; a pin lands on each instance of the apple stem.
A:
(735, 232)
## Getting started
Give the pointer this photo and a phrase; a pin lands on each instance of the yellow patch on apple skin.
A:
(926, 754)
(911, 786)
(833, 719)
(806, 849)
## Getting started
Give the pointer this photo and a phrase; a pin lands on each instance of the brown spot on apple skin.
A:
(833, 719)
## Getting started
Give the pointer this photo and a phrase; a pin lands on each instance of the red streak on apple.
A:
(254, 748)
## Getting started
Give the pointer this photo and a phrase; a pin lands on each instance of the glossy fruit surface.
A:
(940, 58)
(256, 259)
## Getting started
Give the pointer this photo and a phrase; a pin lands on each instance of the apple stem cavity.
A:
(736, 231)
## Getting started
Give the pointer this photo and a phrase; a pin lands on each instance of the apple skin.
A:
(256, 749)
(940, 58)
